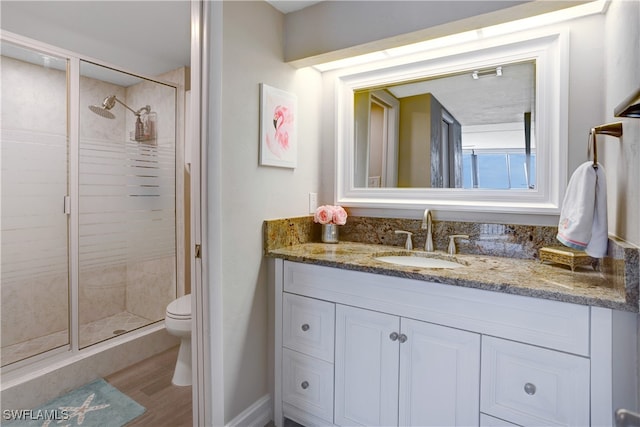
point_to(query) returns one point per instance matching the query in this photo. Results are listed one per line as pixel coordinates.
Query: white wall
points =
(622, 157)
(252, 54)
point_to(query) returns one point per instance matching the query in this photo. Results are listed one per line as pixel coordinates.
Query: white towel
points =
(583, 220)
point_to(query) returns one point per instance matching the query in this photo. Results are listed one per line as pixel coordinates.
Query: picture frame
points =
(278, 127)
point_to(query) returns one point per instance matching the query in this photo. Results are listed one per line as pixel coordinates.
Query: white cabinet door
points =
(439, 375)
(366, 368)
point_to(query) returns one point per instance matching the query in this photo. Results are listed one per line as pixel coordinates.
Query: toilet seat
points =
(180, 308)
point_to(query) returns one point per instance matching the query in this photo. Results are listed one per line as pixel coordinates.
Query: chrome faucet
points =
(427, 224)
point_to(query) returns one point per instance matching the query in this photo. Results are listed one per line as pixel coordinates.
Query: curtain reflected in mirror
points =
(468, 130)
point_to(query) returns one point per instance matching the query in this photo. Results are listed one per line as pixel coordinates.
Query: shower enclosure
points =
(88, 202)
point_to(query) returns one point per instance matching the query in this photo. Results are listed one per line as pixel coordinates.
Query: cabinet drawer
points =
(307, 384)
(308, 326)
(529, 385)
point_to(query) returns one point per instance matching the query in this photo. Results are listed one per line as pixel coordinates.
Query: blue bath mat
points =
(97, 404)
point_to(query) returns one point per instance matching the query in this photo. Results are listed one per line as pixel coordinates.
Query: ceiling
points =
(287, 6)
(489, 99)
(146, 37)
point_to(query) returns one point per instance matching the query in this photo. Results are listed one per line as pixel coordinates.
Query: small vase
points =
(329, 233)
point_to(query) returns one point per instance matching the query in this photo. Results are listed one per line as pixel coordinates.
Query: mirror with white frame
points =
(515, 115)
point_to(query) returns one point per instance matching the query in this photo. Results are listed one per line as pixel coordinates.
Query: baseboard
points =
(257, 415)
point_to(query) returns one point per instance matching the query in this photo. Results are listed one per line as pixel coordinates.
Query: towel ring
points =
(612, 129)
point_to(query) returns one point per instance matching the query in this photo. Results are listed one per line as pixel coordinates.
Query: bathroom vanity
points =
(499, 342)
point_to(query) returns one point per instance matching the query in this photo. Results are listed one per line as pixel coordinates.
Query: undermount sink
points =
(415, 260)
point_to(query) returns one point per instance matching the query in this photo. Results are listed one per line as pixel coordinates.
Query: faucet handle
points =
(408, 245)
(451, 250)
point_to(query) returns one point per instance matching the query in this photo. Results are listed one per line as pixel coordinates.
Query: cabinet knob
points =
(530, 389)
(393, 336)
(305, 327)
(304, 385)
(402, 338)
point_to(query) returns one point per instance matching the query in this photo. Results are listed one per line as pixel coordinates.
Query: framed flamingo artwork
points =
(278, 127)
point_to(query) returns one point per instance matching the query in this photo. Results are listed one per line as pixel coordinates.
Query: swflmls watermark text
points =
(35, 414)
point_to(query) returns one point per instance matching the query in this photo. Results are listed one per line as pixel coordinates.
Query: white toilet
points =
(177, 320)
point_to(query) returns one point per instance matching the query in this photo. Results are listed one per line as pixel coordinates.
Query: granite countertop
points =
(507, 275)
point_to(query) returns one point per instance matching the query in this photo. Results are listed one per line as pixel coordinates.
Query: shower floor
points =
(90, 333)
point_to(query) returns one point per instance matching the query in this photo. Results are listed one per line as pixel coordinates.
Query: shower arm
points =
(146, 108)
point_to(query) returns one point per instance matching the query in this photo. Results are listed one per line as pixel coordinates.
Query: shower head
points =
(102, 112)
(110, 101)
(107, 105)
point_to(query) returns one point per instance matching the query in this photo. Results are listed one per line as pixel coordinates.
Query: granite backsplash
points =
(503, 240)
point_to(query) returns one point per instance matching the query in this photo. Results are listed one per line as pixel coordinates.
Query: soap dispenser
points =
(139, 133)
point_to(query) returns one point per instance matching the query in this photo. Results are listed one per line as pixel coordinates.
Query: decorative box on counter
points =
(567, 256)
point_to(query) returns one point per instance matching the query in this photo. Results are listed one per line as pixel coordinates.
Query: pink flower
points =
(328, 214)
(324, 214)
(339, 215)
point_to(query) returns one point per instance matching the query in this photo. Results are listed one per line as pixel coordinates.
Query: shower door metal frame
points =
(75, 214)
(178, 260)
(74, 195)
(23, 370)
(46, 49)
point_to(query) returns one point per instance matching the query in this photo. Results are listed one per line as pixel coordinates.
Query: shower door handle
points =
(67, 205)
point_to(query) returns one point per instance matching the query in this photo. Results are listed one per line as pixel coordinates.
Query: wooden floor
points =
(149, 383)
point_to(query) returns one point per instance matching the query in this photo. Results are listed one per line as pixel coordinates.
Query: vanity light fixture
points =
(630, 107)
(497, 72)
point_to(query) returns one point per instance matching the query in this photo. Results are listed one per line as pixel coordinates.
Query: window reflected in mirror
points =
(471, 129)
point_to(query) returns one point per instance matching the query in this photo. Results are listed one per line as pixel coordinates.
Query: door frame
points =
(391, 136)
(206, 263)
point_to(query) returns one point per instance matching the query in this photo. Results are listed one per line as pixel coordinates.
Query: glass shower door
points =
(34, 270)
(127, 247)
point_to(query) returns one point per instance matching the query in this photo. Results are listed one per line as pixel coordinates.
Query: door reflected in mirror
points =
(470, 129)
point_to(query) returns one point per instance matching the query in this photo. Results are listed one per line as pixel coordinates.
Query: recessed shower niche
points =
(88, 202)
